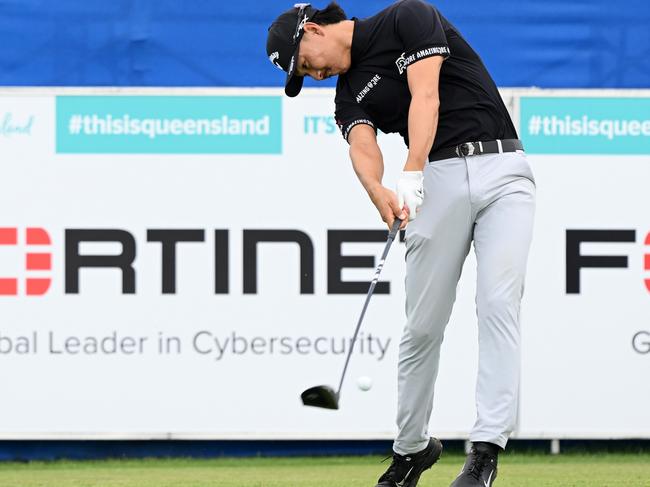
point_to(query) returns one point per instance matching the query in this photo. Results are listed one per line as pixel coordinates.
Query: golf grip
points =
(391, 237)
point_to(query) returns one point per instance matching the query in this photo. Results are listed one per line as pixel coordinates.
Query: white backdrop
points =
(582, 377)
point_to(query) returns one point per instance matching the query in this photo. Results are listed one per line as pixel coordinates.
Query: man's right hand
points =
(386, 203)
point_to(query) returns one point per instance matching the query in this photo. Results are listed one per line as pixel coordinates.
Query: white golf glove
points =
(410, 190)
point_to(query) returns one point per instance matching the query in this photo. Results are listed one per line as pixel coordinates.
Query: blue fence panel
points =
(555, 43)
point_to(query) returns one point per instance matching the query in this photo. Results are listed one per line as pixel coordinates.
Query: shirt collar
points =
(359, 40)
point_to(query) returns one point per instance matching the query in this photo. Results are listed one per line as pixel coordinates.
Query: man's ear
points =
(314, 28)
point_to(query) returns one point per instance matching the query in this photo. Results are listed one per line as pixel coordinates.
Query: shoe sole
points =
(435, 455)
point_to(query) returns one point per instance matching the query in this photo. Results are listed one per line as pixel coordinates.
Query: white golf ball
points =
(364, 383)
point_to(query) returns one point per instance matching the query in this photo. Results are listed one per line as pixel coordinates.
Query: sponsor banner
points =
(585, 125)
(168, 125)
(587, 302)
(192, 295)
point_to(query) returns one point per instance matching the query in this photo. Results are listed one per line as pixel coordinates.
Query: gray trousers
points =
(489, 199)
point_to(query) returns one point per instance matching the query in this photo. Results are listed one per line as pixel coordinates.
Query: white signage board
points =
(188, 275)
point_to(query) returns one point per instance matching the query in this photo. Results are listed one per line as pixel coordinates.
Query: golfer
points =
(465, 179)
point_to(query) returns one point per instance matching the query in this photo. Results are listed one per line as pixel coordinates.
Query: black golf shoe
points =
(480, 468)
(405, 470)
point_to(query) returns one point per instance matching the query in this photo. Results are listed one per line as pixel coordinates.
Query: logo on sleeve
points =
(403, 62)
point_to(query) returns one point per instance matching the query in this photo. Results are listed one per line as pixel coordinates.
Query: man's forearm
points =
(422, 123)
(368, 163)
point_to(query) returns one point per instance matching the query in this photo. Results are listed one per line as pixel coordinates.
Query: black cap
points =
(283, 43)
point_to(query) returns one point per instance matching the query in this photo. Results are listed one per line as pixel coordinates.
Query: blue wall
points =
(549, 43)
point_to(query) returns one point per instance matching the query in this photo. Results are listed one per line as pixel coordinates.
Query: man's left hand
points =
(410, 191)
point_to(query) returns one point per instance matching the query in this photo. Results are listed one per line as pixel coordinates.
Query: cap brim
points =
(293, 84)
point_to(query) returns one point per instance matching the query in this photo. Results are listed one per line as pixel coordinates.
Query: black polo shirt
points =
(375, 90)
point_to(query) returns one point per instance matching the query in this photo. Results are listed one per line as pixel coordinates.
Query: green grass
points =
(515, 470)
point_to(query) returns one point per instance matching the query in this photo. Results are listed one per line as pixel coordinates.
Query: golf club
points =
(325, 396)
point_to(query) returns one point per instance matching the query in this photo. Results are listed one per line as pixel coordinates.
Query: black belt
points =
(476, 148)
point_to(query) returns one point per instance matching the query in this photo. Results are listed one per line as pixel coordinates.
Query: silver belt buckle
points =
(465, 150)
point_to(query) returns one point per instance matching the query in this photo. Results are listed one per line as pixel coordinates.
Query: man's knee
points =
(500, 307)
(422, 331)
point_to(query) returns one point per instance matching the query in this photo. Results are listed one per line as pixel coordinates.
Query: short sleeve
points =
(419, 27)
(349, 114)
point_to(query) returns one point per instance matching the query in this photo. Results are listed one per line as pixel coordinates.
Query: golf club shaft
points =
(391, 237)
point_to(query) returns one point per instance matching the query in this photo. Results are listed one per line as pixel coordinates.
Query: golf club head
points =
(320, 397)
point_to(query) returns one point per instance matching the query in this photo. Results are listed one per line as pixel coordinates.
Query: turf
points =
(606, 470)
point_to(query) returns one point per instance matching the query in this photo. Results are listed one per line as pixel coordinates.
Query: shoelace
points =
(391, 473)
(478, 464)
